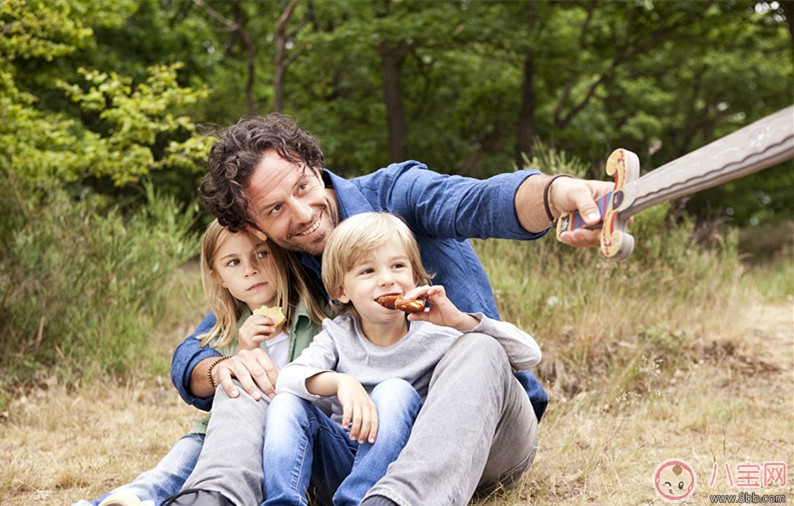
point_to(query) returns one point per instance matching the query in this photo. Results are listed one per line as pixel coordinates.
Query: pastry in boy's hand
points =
(398, 302)
(275, 313)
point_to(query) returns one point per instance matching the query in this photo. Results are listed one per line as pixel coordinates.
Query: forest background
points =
(105, 106)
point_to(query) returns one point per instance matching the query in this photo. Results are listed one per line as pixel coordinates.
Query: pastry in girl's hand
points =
(275, 313)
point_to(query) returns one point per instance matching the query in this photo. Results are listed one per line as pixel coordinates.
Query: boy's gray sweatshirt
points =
(342, 347)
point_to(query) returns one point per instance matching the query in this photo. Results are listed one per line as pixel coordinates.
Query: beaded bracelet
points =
(212, 366)
(551, 217)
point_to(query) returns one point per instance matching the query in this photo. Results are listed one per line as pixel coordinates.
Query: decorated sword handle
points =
(616, 243)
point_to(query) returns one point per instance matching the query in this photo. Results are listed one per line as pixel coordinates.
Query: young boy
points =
(375, 360)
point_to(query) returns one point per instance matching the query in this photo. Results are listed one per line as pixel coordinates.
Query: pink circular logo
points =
(674, 480)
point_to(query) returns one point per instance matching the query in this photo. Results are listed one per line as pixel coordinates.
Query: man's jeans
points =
(231, 460)
(303, 444)
(167, 478)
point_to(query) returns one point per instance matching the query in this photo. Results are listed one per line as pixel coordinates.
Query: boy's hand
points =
(442, 311)
(358, 410)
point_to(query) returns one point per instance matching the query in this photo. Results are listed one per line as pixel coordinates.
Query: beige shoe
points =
(121, 499)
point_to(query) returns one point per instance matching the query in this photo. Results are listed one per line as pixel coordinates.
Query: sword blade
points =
(755, 147)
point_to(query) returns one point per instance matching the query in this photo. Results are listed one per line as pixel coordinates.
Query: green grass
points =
(774, 279)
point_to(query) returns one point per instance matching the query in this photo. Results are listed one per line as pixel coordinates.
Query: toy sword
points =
(752, 148)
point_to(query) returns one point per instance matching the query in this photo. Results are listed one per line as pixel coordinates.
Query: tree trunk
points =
(280, 64)
(526, 115)
(788, 10)
(250, 49)
(391, 60)
(525, 133)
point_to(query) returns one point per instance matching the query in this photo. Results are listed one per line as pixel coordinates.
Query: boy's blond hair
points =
(355, 237)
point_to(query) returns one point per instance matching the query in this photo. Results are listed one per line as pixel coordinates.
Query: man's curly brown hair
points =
(236, 153)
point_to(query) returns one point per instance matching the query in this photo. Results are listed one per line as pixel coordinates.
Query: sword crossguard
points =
(616, 243)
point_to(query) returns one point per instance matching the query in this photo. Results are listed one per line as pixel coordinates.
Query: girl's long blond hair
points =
(290, 288)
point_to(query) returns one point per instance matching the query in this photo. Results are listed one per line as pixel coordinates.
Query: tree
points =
(64, 255)
(283, 37)
(466, 87)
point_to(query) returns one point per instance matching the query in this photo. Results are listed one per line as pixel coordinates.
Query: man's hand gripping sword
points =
(755, 147)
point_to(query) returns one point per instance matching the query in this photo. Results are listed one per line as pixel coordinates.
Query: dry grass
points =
(62, 445)
(734, 405)
(67, 442)
(729, 400)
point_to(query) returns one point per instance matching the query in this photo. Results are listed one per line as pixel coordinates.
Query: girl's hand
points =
(442, 311)
(254, 331)
(358, 410)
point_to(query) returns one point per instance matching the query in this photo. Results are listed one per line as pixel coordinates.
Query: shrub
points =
(84, 281)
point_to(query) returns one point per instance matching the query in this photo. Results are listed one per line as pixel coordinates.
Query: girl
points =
(375, 360)
(239, 274)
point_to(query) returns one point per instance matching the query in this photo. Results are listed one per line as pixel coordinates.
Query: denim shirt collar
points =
(349, 199)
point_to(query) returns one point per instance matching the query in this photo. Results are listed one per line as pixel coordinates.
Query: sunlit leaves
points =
(39, 29)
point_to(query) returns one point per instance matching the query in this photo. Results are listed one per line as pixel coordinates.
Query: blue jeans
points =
(303, 445)
(167, 478)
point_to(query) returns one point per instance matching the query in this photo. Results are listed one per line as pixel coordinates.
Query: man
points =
(266, 175)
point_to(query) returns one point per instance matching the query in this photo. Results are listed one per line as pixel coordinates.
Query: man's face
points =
(290, 204)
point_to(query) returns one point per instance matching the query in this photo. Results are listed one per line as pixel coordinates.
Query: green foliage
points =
(84, 281)
(133, 119)
(39, 30)
(27, 136)
(84, 278)
(123, 130)
(658, 78)
(550, 160)
(774, 277)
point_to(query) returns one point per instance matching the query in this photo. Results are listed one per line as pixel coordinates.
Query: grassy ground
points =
(728, 401)
(733, 406)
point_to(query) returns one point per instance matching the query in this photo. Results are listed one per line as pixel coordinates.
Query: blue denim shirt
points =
(443, 211)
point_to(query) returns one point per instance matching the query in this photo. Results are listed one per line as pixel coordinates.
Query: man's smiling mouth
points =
(311, 229)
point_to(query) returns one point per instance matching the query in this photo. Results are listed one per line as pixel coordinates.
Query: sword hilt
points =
(616, 243)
